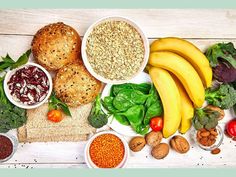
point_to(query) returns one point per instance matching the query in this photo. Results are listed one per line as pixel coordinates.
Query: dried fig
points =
(137, 143)
(179, 144)
(153, 138)
(160, 151)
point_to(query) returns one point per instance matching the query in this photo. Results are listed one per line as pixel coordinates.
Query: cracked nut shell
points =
(137, 143)
(160, 151)
(179, 144)
(153, 138)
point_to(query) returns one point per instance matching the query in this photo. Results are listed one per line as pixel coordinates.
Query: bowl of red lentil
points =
(115, 50)
(106, 149)
(8, 146)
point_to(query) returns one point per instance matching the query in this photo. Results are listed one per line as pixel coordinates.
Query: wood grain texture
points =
(155, 23)
(202, 27)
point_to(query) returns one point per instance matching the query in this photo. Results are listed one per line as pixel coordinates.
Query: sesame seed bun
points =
(56, 45)
(75, 86)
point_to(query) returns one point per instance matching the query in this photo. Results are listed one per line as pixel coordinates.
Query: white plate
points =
(113, 123)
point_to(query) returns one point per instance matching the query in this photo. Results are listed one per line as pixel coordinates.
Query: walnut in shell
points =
(179, 144)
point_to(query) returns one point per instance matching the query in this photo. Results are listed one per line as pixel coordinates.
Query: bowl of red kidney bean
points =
(28, 86)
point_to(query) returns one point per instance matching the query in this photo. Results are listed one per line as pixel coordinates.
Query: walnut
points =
(179, 144)
(137, 143)
(153, 138)
(160, 151)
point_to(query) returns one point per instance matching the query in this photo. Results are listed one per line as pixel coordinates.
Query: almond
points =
(213, 132)
(205, 134)
(215, 151)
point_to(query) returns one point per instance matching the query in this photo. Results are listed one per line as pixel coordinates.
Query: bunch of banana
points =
(179, 71)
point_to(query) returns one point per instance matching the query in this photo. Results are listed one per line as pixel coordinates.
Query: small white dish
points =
(219, 139)
(14, 142)
(112, 122)
(20, 104)
(114, 18)
(88, 160)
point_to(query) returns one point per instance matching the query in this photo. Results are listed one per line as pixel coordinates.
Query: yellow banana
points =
(170, 98)
(190, 52)
(187, 110)
(184, 72)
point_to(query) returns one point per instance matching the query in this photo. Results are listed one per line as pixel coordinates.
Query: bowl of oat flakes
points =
(115, 50)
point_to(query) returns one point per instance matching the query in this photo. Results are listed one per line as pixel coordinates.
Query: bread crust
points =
(75, 86)
(56, 45)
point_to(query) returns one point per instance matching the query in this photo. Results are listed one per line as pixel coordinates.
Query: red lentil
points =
(107, 151)
(6, 147)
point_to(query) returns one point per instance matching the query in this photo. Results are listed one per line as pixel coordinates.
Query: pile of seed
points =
(115, 50)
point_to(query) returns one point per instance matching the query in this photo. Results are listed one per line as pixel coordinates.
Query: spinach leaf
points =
(108, 104)
(138, 97)
(127, 98)
(121, 119)
(123, 101)
(154, 110)
(143, 87)
(141, 129)
(153, 106)
(135, 115)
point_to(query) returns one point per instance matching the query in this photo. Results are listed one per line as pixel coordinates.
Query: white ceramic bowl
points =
(114, 18)
(19, 104)
(14, 142)
(88, 160)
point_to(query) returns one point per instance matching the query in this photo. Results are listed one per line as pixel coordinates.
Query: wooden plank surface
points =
(155, 23)
(202, 27)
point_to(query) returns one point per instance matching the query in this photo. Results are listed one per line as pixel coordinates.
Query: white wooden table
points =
(202, 27)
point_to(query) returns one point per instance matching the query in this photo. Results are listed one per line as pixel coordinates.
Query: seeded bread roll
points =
(74, 85)
(56, 45)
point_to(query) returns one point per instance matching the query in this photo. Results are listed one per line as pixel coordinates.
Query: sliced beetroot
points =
(29, 85)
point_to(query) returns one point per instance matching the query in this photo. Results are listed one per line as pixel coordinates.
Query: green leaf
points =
(8, 59)
(108, 104)
(55, 103)
(221, 51)
(65, 109)
(121, 119)
(22, 60)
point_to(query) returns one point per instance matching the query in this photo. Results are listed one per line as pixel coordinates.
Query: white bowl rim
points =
(133, 24)
(89, 162)
(14, 142)
(21, 105)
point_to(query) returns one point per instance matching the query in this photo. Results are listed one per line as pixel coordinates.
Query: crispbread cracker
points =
(22, 137)
(74, 85)
(39, 129)
(56, 45)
